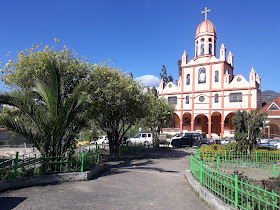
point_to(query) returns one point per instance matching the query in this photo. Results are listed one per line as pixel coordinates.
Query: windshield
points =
(179, 135)
(138, 135)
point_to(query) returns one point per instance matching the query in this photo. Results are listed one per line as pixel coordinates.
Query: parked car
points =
(227, 140)
(182, 134)
(273, 142)
(269, 143)
(193, 139)
(81, 142)
(141, 138)
(102, 140)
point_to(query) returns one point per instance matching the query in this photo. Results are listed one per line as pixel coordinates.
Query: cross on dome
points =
(205, 12)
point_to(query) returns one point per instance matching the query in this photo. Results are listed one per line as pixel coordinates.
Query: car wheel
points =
(176, 145)
(146, 144)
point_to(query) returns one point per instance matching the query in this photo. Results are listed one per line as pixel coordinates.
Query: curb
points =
(206, 195)
(13, 184)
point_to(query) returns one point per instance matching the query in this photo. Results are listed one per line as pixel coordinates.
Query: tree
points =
(51, 118)
(154, 91)
(31, 66)
(117, 101)
(179, 63)
(170, 78)
(248, 128)
(163, 75)
(160, 113)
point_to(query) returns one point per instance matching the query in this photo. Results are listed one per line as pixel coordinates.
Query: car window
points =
(144, 135)
(149, 135)
(138, 135)
(188, 135)
(196, 136)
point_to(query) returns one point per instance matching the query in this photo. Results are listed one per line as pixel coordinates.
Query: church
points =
(209, 92)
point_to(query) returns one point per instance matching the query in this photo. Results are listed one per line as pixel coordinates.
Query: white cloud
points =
(149, 80)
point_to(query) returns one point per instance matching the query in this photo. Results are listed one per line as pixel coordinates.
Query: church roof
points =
(272, 108)
(206, 26)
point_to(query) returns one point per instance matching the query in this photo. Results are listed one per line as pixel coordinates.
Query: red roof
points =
(271, 112)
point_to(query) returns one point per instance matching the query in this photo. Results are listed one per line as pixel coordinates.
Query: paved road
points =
(156, 182)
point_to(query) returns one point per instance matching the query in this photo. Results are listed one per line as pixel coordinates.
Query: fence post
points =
(98, 155)
(218, 162)
(225, 156)
(256, 156)
(201, 172)
(191, 162)
(236, 189)
(16, 166)
(275, 170)
(83, 156)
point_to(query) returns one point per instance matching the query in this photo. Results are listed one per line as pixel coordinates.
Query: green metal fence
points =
(234, 189)
(254, 170)
(24, 166)
(238, 157)
(126, 149)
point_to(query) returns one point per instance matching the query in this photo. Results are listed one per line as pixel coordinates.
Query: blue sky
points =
(140, 36)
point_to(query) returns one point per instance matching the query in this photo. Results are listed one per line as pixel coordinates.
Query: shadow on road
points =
(145, 163)
(167, 153)
(10, 202)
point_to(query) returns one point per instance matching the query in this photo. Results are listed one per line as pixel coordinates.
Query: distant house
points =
(273, 119)
(4, 136)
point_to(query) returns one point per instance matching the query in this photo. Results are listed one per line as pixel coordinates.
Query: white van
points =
(141, 138)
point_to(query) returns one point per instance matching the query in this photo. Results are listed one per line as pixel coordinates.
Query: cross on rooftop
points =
(205, 12)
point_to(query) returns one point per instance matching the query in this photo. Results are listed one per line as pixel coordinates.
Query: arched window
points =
(196, 51)
(210, 49)
(202, 49)
(216, 76)
(188, 79)
(187, 99)
(201, 75)
(216, 98)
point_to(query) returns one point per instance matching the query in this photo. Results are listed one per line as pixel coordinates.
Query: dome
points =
(206, 27)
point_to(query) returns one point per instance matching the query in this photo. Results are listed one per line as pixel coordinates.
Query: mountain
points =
(269, 95)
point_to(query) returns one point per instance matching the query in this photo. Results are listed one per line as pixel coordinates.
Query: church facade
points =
(208, 93)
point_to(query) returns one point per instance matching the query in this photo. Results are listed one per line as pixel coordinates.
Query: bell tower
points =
(205, 39)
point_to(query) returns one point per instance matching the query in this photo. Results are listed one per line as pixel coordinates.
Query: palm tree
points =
(49, 115)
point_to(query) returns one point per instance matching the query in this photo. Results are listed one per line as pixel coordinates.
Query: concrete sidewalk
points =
(156, 182)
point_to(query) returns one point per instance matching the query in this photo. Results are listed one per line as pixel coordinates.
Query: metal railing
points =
(238, 157)
(24, 166)
(127, 149)
(235, 188)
